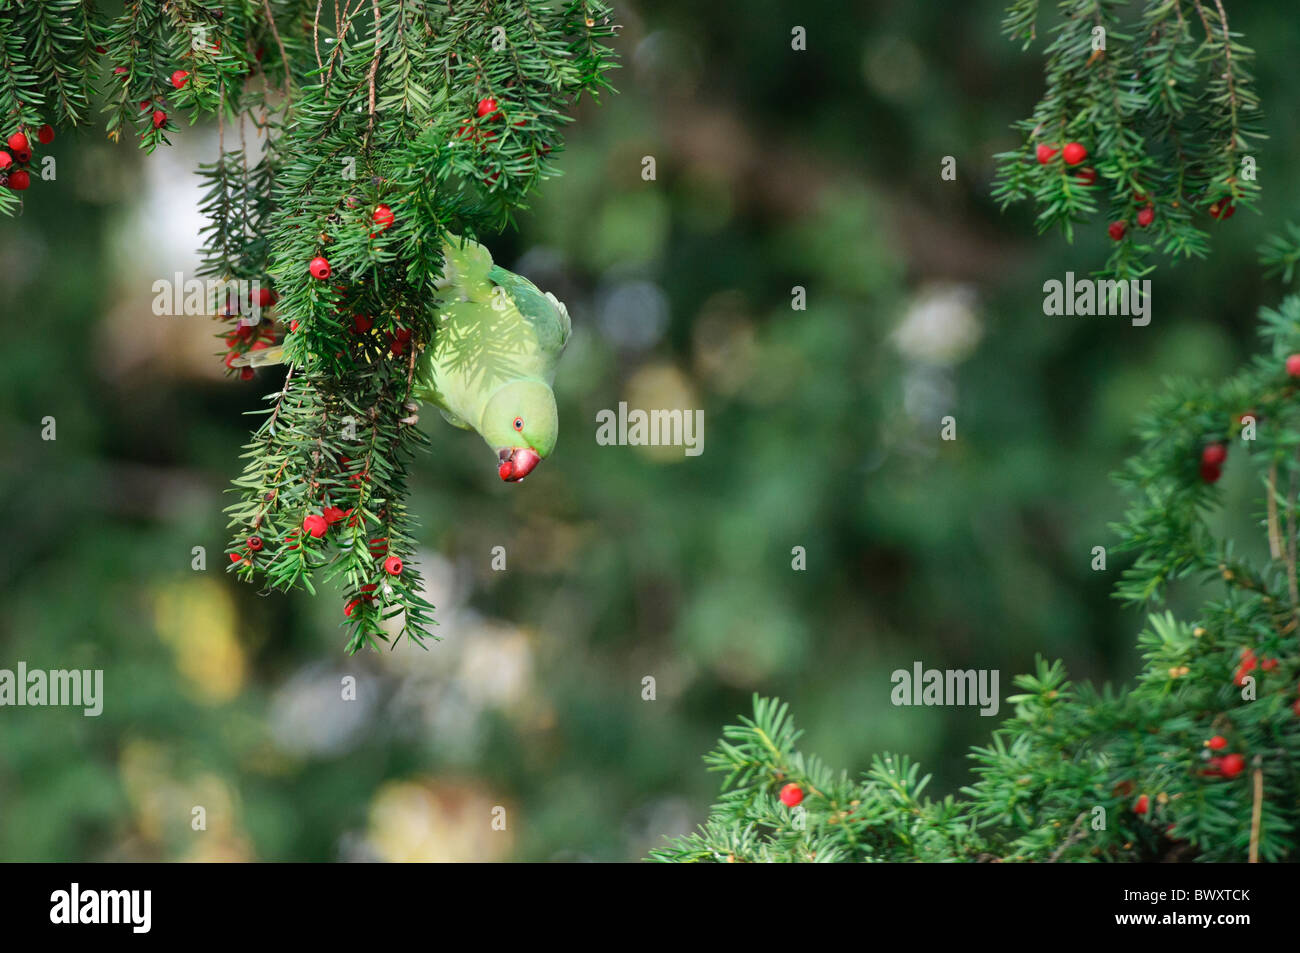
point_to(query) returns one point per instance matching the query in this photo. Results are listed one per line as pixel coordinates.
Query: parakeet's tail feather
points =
(260, 358)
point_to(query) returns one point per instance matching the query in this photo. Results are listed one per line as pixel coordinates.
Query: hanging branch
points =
(1137, 119)
(1175, 767)
(327, 244)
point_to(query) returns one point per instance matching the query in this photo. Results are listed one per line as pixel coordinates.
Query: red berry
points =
(1117, 229)
(18, 143)
(1210, 473)
(1223, 209)
(254, 543)
(333, 514)
(486, 107)
(247, 373)
(383, 217)
(319, 268)
(1217, 743)
(316, 525)
(1087, 176)
(293, 325)
(362, 323)
(393, 566)
(159, 118)
(19, 180)
(1214, 454)
(347, 609)
(791, 795)
(1146, 216)
(265, 297)
(101, 49)
(179, 78)
(1143, 805)
(1268, 665)
(45, 135)
(1045, 153)
(1232, 765)
(1073, 153)
(235, 557)
(1293, 365)
(6, 160)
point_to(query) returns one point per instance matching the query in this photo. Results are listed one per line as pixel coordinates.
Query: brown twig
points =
(275, 32)
(1072, 837)
(1274, 531)
(374, 68)
(1227, 72)
(315, 33)
(1291, 546)
(1255, 812)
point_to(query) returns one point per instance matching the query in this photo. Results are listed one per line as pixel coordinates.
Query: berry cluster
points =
(1249, 662)
(1226, 766)
(1215, 454)
(15, 158)
(1146, 214)
(1223, 766)
(158, 106)
(475, 129)
(1074, 153)
(248, 336)
(1212, 459)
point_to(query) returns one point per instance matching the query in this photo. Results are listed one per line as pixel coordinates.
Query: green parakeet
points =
(493, 357)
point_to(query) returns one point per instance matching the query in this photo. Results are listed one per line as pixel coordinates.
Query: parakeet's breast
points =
(493, 328)
(477, 348)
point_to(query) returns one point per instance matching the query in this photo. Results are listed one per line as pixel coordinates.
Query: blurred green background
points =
(776, 168)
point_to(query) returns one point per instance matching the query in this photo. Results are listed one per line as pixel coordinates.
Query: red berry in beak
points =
(518, 463)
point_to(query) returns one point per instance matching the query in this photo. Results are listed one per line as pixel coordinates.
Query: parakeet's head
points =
(521, 424)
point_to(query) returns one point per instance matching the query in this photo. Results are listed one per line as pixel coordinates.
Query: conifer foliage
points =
(1197, 761)
(356, 136)
(1148, 121)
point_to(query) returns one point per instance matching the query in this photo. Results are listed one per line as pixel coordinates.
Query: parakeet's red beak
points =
(517, 463)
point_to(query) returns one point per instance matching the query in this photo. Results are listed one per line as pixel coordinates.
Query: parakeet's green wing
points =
(548, 317)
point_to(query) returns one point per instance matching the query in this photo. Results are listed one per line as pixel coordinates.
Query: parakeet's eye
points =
(519, 423)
